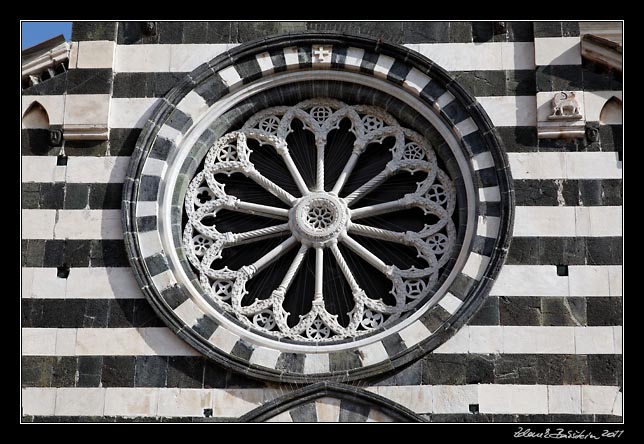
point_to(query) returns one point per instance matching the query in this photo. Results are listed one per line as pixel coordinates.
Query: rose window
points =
(319, 222)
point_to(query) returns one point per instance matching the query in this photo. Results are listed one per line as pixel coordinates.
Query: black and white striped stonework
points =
(545, 345)
(188, 103)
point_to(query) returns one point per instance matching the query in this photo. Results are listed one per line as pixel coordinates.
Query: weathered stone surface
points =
(118, 371)
(444, 369)
(151, 371)
(480, 370)
(520, 311)
(604, 310)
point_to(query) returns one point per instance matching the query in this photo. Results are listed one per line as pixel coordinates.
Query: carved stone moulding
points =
(317, 206)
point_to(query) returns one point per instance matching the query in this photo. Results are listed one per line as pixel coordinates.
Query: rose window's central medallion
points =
(318, 218)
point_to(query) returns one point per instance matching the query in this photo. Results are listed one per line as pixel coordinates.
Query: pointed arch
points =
(611, 113)
(35, 117)
(352, 404)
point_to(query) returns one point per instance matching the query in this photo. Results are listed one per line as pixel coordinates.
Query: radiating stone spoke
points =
(344, 175)
(319, 275)
(259, 234)
(271, 186)
(367, 255)
(292, 270)
(374, 210)
(319, 182)
(344, 267)
(369, 186)
(274, 254)
(295, 173)
(409, 201)
(379, 233)
(258, 209)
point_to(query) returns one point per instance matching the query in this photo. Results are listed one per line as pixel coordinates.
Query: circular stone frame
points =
(153, 241)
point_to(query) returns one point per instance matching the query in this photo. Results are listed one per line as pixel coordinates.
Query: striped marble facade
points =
(545, 346)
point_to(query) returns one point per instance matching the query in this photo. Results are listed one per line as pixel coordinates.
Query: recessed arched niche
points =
(611, 113)
(35, 117)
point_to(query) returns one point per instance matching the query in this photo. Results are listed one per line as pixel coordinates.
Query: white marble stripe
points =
(315, 363)
(40, 169)
(131, 112)
(466, 127)
(444, 100)
(510, 110)
(568, 221)
(490, 194)
(149, 341)
(450, 303)
(230, 76)
(482, 160)
(416, 332)
(534, 340)
(503, 110)
(489, 56)
(265, 356)
(223, 339)
(182, 402)
(416, 81)
(81, 283)
(95, 54)
(154, 167)
(107, 169)
(557, 51)
(383, 65)
(265, 62)
(471, 339)
(372, 353)
(416, 398)
(166, 57)
(71, 224)
(193, 105)
(488, 226)
(171, 134)
(353, 59)
(146, 209)
(149, 243)
(176, 402)
(291, 56)
(164, 280)
(475, 265)
(542, 280)
(451, 56)
(189, 312)
(577, 165)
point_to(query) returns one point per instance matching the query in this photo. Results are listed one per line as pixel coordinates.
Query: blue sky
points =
(36, 32)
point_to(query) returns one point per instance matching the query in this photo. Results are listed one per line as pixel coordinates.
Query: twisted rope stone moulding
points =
(290, 97)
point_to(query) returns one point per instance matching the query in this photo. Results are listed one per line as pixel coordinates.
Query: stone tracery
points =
(319, 220)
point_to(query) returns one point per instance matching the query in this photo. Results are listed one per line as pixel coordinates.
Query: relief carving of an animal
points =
(564, 104)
